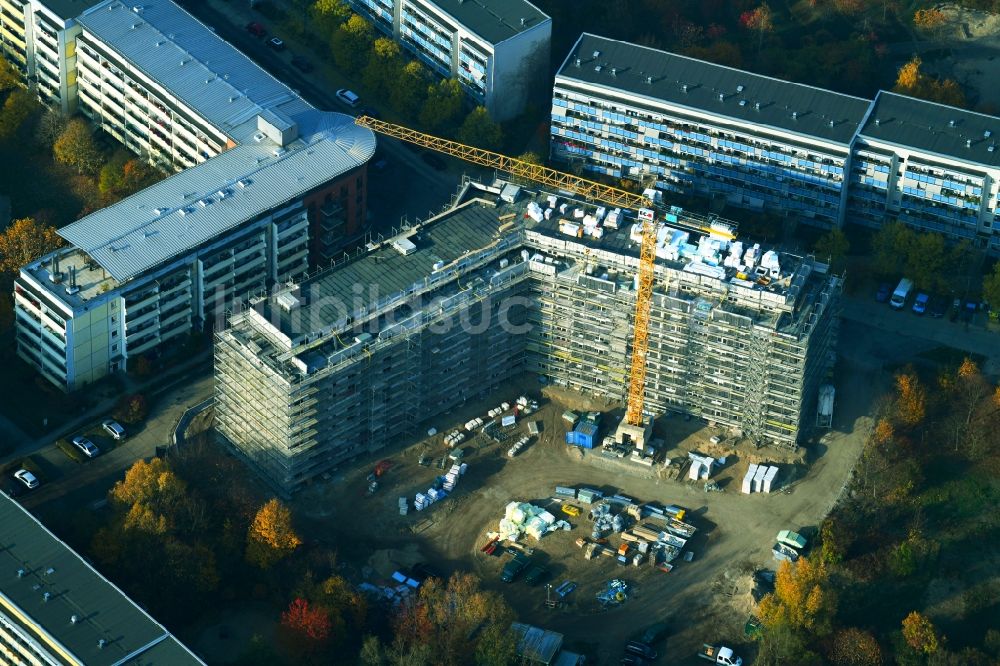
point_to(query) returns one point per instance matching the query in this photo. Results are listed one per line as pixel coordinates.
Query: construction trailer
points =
(489, 289)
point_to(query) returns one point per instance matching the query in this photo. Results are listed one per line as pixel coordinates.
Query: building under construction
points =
(508, 281)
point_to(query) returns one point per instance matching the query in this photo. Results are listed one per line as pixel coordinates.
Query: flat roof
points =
(643, 71)
(33, 562)
(69, 9)
(198, 204)
(493, 20)
(195, 65)
(934, 128)
(385, 271)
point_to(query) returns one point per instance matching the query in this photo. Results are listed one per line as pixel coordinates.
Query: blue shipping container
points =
(584, 435)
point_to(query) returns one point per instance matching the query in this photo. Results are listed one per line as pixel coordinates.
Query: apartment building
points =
(497, 49)
(509, 281)
(683, 125)
(38, 38)
(934, 167)
(56, 609)
(266, 186)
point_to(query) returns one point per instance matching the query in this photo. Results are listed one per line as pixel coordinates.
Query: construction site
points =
(509, 281)
(533, 360)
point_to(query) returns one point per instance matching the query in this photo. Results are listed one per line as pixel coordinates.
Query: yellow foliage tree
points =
(928, 19)
(913, 82)
(802, 598)
(151, 491)
(271, 536)
(909, 77)
(141, 517)
(920, 633)
(854, 647)
(911, 399)
(884, 432)
(25, 240)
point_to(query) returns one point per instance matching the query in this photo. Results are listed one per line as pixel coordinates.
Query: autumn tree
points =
(17, 109)
(911, 81)
(10, 78)
(51, 124)
(150, 494)
(131, 409)
(911, 399)
(890, 247)
(929, 19)
(384, 66)
(480, 130)
(920, 634)
(307, 621)
(77, 147)
(759, 20)
(455, 619)
(855, 647)
(328, 15)
(991, 287)
(443, 106)
(803, 598)
(532, 157)
(833, 246)
(834, 539)
(26, 240)
(408, 93)
(351, 43)
(271, 536)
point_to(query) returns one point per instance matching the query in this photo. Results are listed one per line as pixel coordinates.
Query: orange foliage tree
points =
(802, 598)
(854, 647)
(25, 240)
(913, 82)
(271, 536)
(928, 19)
(152, 492)
(760, 20)
(911, 399)
(920, 633)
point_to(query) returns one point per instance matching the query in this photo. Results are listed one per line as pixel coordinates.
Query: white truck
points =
(718, 654)
(903, 289)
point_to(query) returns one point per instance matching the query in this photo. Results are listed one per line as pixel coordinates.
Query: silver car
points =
(86, 446)
(114, 429)
(27, 478)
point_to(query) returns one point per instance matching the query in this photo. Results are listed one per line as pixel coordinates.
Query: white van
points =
(348, 97)
(899, 296)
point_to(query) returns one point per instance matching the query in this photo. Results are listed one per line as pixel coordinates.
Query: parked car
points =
(937, 307)
(536, 574)
(434, 161)
(29, 480)
(641, 649)
(256, 29)
(969, 310)
(276, 43)
(348, 97)
(518, 564)
(114, 429)
(920, 303)
(86, 446)
(882, 295)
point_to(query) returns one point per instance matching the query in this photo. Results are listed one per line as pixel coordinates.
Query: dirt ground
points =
(707, 599)
(971, 38)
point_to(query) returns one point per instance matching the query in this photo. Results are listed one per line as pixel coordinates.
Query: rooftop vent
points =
(878, 121)
(831, 123)
(951, 123)
(258, 137)
(73, 619)
(46, 595)
(597, 54)
(991, 148)
(743, 102)
(649, 80)
(224, 193)
(739, 89)
(968, 143)
(204, 202)
(684, 87)
(278, 152)
(756, 106)
(597, 68)
(101, 643)
(523, 21)
(987, 134)
(722, 97)
(183, 212)
(20, 573)
(795, 115)
(137, 9)
(614, 71)
(243, 182)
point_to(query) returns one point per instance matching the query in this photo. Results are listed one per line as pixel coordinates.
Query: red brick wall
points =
(351, 190)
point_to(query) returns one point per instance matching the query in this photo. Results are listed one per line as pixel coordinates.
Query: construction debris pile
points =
(760, 479)
(523, 518)
(443, 485)
(614, 593)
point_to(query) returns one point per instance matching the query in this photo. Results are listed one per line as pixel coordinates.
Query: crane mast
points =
(633, 425)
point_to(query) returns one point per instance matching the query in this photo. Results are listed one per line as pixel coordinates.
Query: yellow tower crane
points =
(592, 191)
